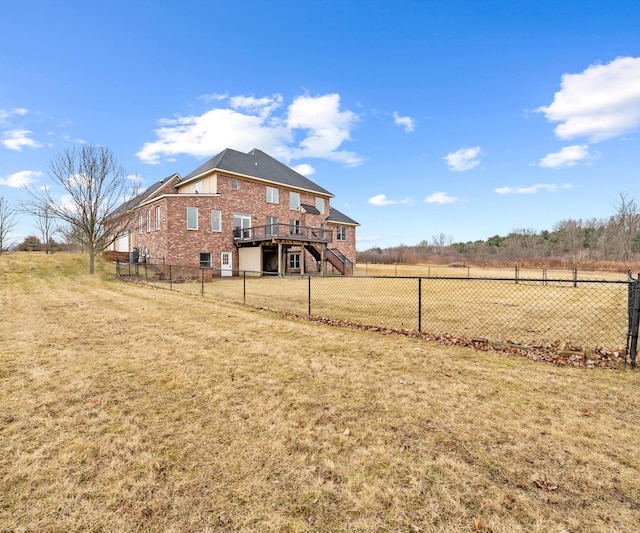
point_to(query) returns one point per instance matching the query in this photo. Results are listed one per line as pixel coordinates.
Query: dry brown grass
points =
(537, 273)
(124, 408)
(591, 315)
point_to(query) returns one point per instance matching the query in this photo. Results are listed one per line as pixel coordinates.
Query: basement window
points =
(205, 260)
(294, 261)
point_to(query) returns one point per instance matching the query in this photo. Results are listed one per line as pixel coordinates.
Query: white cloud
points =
(326, 128)
(136, 179)
(440, 198)
(381, 200)
(8, 113)
(550, 187)
(599, 103)
(304, 169)
(17, 139)
(262, 106)
(407, 123)
(311, 126)
(213, 97)
(567, 157)
(463, 159)
(68, 138)
(21, 179)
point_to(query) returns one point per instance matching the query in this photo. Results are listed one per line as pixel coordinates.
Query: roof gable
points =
(259, 165)
(337, 217)
(148, 193)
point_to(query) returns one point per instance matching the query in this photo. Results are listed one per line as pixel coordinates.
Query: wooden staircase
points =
(333, 257)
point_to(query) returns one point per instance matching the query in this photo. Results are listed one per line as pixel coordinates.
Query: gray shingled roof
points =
(257, 164)
(137, 200)
(337, 216)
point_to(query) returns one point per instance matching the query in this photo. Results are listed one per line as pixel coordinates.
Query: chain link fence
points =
(555, 314)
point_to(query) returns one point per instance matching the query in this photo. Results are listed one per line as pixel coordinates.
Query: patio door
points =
(226, 264)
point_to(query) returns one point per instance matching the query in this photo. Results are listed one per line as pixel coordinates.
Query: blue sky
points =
(468, 118)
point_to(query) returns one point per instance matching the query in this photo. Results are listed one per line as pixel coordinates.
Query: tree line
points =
(612, 241)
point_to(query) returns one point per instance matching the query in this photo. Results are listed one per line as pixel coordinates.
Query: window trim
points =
(196, 214)
(294, 261)
(241, 232)
(157, 217)
(207, 263)
(292, 195)
(294, 227)
(274, 197)
(341, 233)
(219, 220)
(235, 184)
(271, 226)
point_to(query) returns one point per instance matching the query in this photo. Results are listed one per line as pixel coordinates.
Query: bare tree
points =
(627, 222)
(441, 241)
(7, 222)
(45, 221)
(93, 184)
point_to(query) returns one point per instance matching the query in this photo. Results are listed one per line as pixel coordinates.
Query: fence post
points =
(170, 278)
(244, 286)
(575, 276)
(517, 272)
(309, 295)
(202, 283)
(146, 276)
(419, 305)
(634, 317)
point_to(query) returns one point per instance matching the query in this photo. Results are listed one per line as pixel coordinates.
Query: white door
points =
(225, 264)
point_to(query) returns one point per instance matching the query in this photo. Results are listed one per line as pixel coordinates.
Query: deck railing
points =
(282, 231)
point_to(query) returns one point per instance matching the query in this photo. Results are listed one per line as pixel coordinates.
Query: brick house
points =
(241, 212)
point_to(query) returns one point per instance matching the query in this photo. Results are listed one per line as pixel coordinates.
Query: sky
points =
(464, 118)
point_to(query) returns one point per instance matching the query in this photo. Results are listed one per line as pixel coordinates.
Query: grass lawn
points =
(128, 408)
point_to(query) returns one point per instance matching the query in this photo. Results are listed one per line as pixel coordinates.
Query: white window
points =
(341, 233)
(294, 261)
(294, 227)
(205, 260)
(192, 218)
(320, 205)
(272, 195)
(216, 220)
(198, 187)
(272, 226)
(148, 220)
(234, 184)
(294, 200)
(140, 223)
(241, 226)
(158, 217)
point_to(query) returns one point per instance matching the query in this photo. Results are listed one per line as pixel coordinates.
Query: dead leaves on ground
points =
(558, 353)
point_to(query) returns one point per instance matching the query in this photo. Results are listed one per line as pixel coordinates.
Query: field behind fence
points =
(584, 314)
